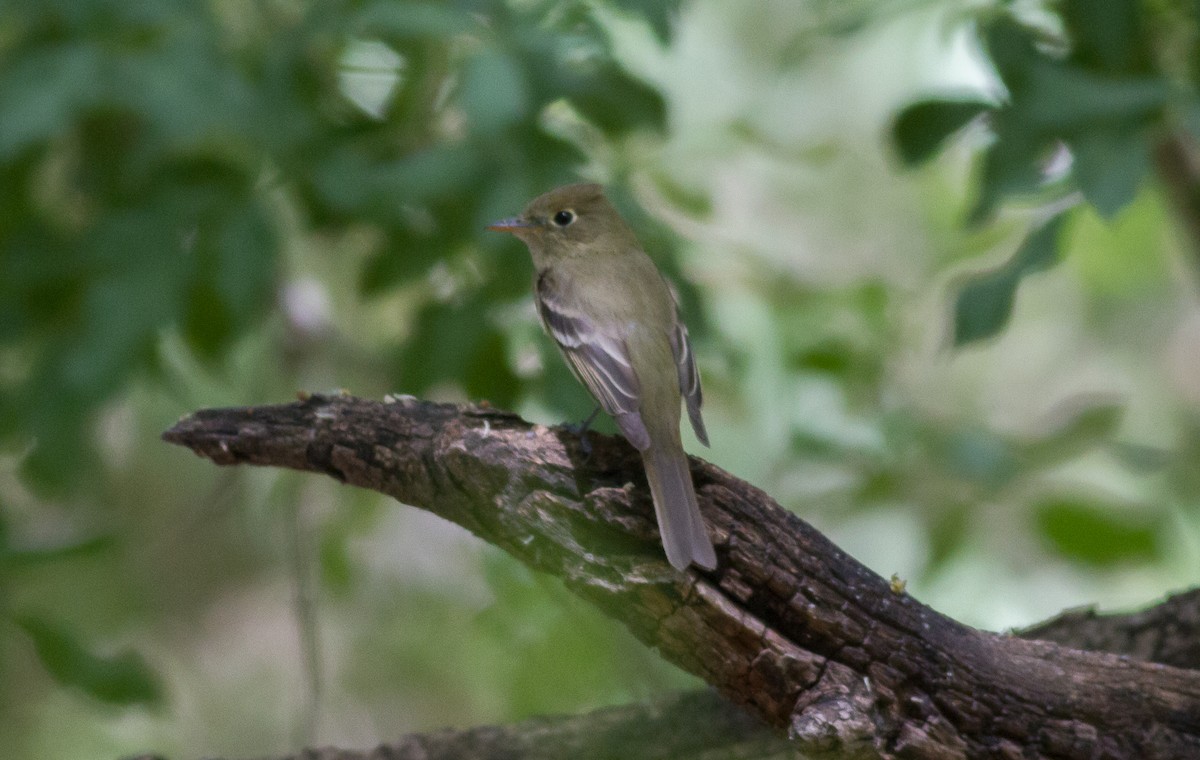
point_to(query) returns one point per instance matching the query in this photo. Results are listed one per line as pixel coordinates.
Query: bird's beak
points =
(511, 224)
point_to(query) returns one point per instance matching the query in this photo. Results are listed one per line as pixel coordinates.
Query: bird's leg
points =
(581, 429)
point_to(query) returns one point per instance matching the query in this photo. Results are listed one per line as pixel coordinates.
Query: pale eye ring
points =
(564, 217)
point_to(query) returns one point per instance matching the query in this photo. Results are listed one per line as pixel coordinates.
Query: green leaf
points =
(919, 131)
(1012, 47)
(50, 411)
(42, 284)
(1081, 102)
(985, 303)
(1107, 35)
(245, 253)
(1097, 535)
(391, 19)
(404, 257)
(49, 555)
(207, 324)
(1060, 99)
(1057, 95)
(1012, 165)
(616, 102)
(41, 91)
(1092, 423)
(948, 534)
(433, 174)
(580, 68)
(122, 317)
(122, 679)
(690, 200)
(351, 179)
(135, 293)
(978, 455)
(454, 343)
(659, 14)
(235, 251)
(494, 95)
(1109, 166)
(184, 93)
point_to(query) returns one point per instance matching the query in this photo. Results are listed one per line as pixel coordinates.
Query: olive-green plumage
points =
(610, 312)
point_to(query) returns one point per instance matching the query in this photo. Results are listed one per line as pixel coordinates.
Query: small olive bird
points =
(613, 317)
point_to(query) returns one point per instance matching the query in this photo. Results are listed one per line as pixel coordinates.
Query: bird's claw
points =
(581, 429)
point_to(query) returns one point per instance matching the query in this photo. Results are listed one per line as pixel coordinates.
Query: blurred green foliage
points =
(986, 301)
(122, 679)
(143, 145)
(1094, 86)
(219, 203)
(154, 155)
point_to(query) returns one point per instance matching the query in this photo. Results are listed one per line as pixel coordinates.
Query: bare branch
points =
(1167, 633)
(697, 725)
(788, 625)
(1177, 161)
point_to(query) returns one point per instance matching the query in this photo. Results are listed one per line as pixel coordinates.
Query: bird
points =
(615, 320)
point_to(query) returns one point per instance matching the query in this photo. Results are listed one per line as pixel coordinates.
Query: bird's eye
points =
(564, 217)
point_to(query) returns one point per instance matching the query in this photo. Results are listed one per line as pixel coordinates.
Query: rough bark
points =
(1167, 633)
(788, 625)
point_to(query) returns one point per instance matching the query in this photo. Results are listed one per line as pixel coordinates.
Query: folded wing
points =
(689, 379)
(600, 361)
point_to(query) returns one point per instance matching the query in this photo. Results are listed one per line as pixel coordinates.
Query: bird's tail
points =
(679, 521)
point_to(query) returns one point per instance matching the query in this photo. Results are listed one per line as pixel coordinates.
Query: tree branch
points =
(696, 725)
(1177, 161)
(1167, 633)
(788, 625)
(702, 724)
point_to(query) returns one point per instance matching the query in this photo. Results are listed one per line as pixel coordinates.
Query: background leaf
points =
(920, 129)
(985, 303)
(1109, 167)
(1090, 534)
(122, 679)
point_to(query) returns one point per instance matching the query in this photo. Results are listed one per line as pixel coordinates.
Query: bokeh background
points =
(935, 256)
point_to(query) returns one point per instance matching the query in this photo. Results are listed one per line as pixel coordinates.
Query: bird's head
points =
(568, 221)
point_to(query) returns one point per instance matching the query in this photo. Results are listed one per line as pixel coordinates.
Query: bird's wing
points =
(599, 359)
(689, 379)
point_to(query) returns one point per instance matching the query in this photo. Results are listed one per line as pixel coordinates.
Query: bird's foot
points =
(581, 429)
